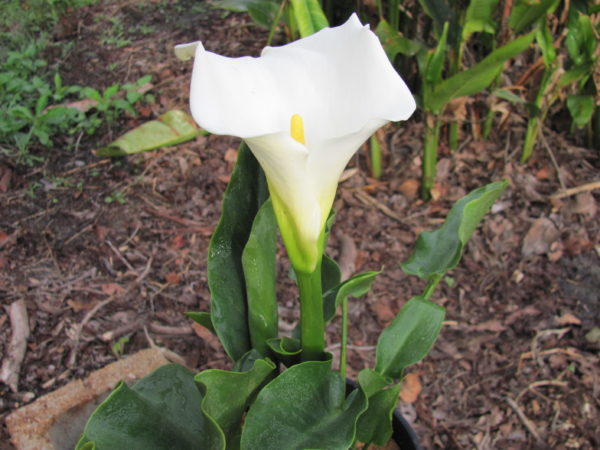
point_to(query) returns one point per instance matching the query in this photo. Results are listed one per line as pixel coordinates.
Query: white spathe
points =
(339, 80)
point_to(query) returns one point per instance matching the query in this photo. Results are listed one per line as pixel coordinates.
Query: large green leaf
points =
(309, 16)
(203, 318)
(304, 408)
(355, 286)
(244, 195)
(161, 411)
(409, 337)
(476, 78)
(438, 251)
(258, 260)
(227, 395)
(393, 43)
(375, 425)
(173, 127)
(527, 12)
(479, 18)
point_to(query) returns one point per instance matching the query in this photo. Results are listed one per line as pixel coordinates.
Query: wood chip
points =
(11, 364)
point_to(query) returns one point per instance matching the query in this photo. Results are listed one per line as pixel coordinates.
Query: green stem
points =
(312, 325)
(276, 22)
(432, 131)
(344, 346)
(429, 290)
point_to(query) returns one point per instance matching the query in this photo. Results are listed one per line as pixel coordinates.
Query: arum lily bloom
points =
(303, 109)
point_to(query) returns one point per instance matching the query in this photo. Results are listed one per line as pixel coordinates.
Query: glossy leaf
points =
(375, 425)
(409, 337)
(172, 128)
(330, 273)
(309, 16)
(393, 43)
(355, 286)
(288, 350)
(244, 195)
(304, 408)
(581, 108)
(160, 411)
(525, 13)
(258, 261)
(479, 18)
(476, 78)
(438, 251)
(227, 395)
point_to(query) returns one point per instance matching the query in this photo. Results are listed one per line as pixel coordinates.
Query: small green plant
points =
(115, 35)
(116, 196)
(118, 347)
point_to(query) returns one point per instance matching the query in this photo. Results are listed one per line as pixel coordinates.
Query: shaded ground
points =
(512, 367)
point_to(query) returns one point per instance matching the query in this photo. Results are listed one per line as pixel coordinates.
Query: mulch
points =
(108, 255)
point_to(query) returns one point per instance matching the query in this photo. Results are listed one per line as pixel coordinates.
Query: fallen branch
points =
(19, 323)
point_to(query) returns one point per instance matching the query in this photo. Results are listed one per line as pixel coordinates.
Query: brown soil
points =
(512, 367)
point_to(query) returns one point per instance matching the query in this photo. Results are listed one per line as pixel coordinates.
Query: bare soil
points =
(512, 367)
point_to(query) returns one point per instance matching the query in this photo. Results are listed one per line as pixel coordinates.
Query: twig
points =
(158, 328)
(88, 166)
(551, 153)
(79, 328)
(19, 323)
(120, 331)
(528, 424)
(577, 190)
(169, 354)
(367, 199)
(121, 257)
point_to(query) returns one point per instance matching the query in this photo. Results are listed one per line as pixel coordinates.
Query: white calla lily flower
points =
(303, 109)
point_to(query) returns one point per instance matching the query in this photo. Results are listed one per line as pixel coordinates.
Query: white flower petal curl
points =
(338, 80)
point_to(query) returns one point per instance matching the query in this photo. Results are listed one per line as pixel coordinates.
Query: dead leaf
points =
(15, 351)
(411, 388)
(520, 313)
(540, 237)
(178, 241)
(173, 278)
(231, 155)
(490, 325)
(101, 232)
(383, 311)
(409, 188)
(8, 239)
(111, 288)
(5, 177)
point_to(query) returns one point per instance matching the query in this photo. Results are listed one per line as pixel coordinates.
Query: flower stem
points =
(344, 344)
(312, 325)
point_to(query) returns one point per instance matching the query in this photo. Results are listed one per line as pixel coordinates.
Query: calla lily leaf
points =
(258, 261)
(172, 128)
(438, 251)
(298, 109)
(160, 411)
(304, 407)
(356, 286)
(228, 394)
(243, 197)
(409, 337)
